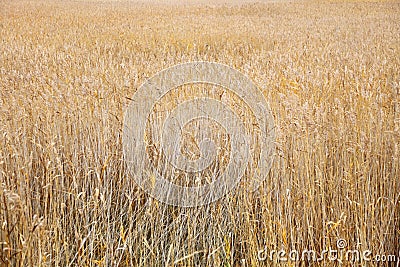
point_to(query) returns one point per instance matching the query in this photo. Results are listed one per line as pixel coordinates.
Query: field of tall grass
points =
(330, 72)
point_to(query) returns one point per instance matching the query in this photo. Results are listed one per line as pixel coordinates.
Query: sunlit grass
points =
(329, 71)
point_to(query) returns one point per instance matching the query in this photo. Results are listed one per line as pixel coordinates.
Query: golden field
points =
(329, 70)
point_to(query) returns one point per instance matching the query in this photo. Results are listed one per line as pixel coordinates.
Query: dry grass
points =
(330, 72)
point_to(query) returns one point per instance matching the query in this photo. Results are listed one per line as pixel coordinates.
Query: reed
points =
(329, 70)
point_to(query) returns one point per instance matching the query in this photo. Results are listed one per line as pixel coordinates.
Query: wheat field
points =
(330, 71)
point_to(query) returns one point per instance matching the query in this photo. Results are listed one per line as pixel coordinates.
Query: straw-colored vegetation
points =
(330, 71)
